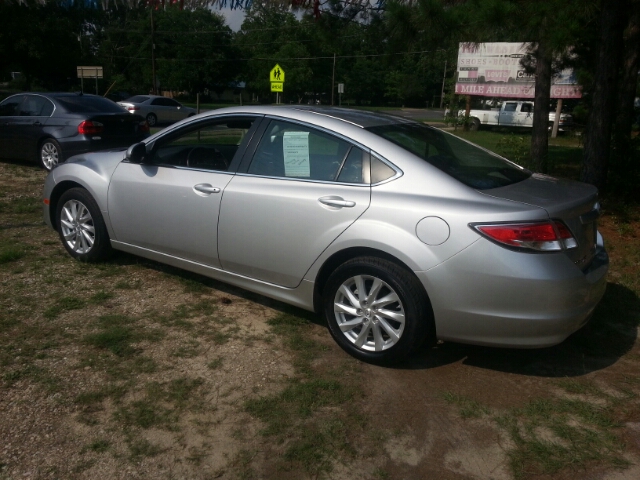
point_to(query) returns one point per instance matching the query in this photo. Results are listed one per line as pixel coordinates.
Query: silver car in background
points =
(398, 233)
(156, 109)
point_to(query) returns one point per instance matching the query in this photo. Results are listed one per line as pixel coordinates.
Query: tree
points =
(599, 127)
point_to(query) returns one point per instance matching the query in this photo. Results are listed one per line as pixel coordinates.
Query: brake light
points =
(143, 127)
(133, 108)
(88, 127)
(542, 237)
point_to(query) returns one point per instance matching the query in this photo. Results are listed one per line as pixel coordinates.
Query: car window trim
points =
(298, 179)
(182, 129)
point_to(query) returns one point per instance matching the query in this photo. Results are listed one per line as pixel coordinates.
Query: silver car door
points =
(171, 203)
(169, 210)
(298, 195)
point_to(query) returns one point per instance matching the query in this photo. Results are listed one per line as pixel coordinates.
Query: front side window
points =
(467, 163)
(295, 151)
(209, 147)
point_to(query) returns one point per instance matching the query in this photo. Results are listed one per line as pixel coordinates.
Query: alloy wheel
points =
(369, 313)
(77, 226)
(49, 155)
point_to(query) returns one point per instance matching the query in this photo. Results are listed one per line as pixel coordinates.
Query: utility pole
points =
(333, 78)
(444, 76)
(153, 55)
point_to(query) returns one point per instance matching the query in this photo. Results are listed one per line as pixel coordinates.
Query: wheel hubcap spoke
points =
(76, 224)
(369, 313)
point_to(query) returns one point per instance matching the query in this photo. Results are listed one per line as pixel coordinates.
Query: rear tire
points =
(49, 154)
(474, 126)
(81, 226)
(376, 311)
(152, 119)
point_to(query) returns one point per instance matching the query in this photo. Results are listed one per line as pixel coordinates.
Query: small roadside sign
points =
(276, 75)
(89, 72)
(341, 88)
(277, 86)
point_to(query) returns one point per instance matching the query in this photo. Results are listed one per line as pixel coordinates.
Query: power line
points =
(278, 59)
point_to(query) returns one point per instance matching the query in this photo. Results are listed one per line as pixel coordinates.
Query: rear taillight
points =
(133, 108)
(542, 237)
(143, 127)
(90, 128)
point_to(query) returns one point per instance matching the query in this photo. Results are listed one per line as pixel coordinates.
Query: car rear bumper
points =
(503, 298)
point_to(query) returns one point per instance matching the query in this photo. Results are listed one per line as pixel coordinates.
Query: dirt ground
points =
(171, 396)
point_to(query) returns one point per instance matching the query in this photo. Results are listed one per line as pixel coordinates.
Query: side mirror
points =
(136, 153)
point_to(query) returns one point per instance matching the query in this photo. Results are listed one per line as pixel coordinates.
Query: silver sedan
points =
(398, 233)
(157, 109)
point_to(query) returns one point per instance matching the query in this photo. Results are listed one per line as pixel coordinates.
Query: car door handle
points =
(206, 188)
(37, 123)
(336, 202)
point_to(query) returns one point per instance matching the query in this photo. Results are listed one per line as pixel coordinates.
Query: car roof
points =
(362, 118)
(358, 118)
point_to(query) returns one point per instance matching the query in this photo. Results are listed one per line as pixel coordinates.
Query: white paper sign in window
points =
(295, 146)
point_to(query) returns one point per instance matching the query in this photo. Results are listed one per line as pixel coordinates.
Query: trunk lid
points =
(575, 203)
(119, 124)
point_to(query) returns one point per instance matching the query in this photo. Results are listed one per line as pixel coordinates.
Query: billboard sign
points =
(495, 70)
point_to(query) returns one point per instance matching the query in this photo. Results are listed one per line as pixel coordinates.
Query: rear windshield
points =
(471, 165)
(137, 99)
(86, 104)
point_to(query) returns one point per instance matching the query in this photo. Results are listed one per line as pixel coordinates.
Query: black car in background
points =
(51, 127)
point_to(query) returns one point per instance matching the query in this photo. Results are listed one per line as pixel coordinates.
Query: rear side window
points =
(464, 161)
(89, 104)
(294, 151)
(137, 99)
(36, 106)
(165, 102)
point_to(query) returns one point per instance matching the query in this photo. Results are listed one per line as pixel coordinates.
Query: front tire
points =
(376, 311)
(81, 226)
(49, 154)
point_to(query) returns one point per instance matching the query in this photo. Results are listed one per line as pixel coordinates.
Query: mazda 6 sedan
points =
(398, 233)
(50, 127)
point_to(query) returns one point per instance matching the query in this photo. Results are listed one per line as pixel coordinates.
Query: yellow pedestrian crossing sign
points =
(277, 87)
(276, 75)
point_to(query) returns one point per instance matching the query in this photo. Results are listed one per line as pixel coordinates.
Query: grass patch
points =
(216, 363)
(314, 416)
(468, 408)
(553, 435)
(97, 446)
(141, 447)
(100, 297)
(64, 304)
(162, 404)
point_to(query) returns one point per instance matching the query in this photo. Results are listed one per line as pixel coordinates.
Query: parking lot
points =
(132, 369)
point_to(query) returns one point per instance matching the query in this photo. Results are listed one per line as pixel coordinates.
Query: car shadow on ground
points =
(610, 334)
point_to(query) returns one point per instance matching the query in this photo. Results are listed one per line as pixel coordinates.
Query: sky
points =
(234, 18)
